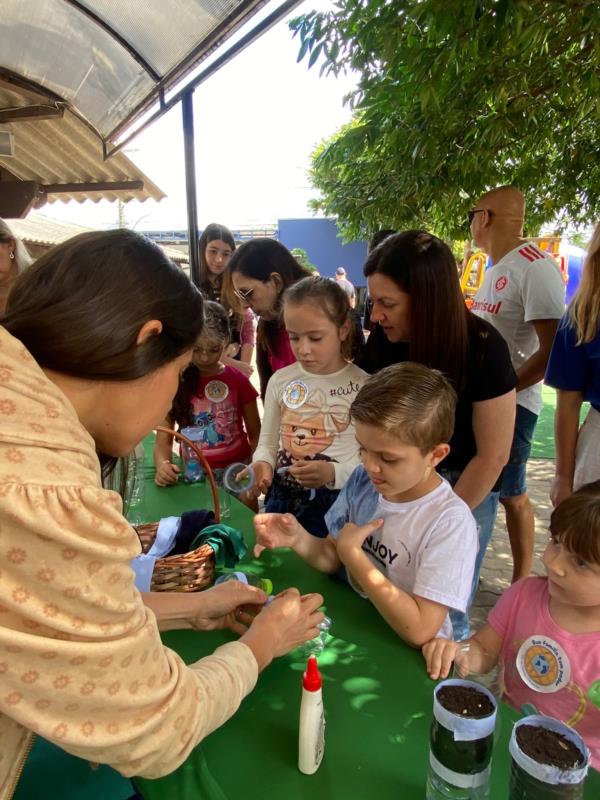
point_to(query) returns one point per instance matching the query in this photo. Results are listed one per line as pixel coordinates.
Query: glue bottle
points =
(311, 739)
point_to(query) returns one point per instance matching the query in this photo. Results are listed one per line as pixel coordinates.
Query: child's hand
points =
(313, 474)
(439, 655)
(263, 477)
(352, 536)
(167, 474)
(275, 530)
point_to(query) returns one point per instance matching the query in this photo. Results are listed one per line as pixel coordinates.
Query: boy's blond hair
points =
(575, 523)
(411, 402)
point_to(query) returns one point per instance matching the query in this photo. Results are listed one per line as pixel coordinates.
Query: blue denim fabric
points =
(514, 477)
(485, 518)
(310, 513)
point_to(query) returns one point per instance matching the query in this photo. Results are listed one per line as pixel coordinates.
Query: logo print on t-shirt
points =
(501, 283)
(295, 394)
(543, 664)
(216, 391)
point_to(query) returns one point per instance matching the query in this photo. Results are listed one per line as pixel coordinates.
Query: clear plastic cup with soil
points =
(549, 760)
(466, 666)
(461, 742)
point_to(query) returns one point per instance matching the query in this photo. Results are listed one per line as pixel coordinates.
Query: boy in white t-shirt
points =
(408, 543)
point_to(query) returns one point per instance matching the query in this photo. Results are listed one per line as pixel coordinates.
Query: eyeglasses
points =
(475, 211)
(244, 294)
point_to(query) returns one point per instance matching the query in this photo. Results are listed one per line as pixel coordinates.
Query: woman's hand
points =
(282, 625)
(232, 605)
(439, 655)
(560, 489)
(275, 530)
(263, 477)
(313, 474)
(167, 474)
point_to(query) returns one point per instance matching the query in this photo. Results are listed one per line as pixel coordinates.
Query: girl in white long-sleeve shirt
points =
(307, 447)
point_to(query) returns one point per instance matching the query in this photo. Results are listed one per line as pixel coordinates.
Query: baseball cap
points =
(340, 271)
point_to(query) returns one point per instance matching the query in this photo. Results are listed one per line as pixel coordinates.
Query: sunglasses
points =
(244, 294)
(475, 211)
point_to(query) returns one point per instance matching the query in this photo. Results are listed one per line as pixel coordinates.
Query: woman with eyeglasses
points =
(260, 271)
(216, 245)
(420, 315)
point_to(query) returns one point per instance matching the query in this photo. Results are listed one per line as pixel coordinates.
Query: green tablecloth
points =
(377, 697)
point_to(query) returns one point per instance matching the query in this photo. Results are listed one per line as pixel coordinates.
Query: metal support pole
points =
(187, 110)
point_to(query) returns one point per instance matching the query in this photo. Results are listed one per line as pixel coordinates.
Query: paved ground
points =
(497, 567)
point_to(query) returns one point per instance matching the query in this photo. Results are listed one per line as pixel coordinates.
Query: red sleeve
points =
(247, 332)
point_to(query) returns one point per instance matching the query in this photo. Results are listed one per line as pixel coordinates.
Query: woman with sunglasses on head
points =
(94, 339)
(260, 271)
(420, 315)
(216, 245)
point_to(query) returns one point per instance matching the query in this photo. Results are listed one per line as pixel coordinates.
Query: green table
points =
(377, 697)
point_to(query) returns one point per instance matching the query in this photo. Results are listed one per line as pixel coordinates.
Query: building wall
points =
(320, 238)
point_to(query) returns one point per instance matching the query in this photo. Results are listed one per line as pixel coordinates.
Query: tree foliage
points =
(455, 97)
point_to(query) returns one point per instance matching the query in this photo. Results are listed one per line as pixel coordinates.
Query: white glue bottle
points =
(311, 740)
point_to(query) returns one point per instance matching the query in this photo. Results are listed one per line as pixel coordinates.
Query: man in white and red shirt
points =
(523, 297)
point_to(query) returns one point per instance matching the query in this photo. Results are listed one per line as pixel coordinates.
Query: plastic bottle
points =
(239, 478)
(316, 645)
(311, 738)
(135, 485)
(248, 578)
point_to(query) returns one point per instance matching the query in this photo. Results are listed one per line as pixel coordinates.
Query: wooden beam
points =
(107, 186)
(24, 113)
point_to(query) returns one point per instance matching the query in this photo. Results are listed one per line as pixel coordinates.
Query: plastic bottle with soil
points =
(461, 742)
(549, 760)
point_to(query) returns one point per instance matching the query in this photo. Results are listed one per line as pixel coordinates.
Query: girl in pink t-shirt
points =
(218, 400)
(546, 630)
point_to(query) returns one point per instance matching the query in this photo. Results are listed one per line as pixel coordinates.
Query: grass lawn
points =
(543, 442)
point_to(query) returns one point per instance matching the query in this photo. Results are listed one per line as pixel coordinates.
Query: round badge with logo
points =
(501, 283)
(543, 664)
(216, 391)
(295, 394)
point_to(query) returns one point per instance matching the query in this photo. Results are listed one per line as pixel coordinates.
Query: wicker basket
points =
(188, 572)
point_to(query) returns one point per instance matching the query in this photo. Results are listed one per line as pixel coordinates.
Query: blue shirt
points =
(572, 367)
(356, 502)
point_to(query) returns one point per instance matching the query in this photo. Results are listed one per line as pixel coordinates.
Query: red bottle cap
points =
(311, 680)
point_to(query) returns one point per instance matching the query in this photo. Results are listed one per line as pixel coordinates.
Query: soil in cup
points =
(549, 747)
(465, 701)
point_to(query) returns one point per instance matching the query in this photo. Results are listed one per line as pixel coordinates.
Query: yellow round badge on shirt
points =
(543, 664)
(217, 391)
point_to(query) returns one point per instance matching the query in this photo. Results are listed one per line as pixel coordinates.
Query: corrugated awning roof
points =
(108, 61)
(41, 230)
(62, 150)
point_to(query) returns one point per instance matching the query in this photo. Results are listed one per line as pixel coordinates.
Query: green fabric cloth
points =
(377, 697)
(227, 543)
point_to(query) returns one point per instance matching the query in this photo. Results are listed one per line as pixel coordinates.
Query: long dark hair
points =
(259, 259)
(80, 307)
(423, 266)
(212, 233)
(216, 328)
